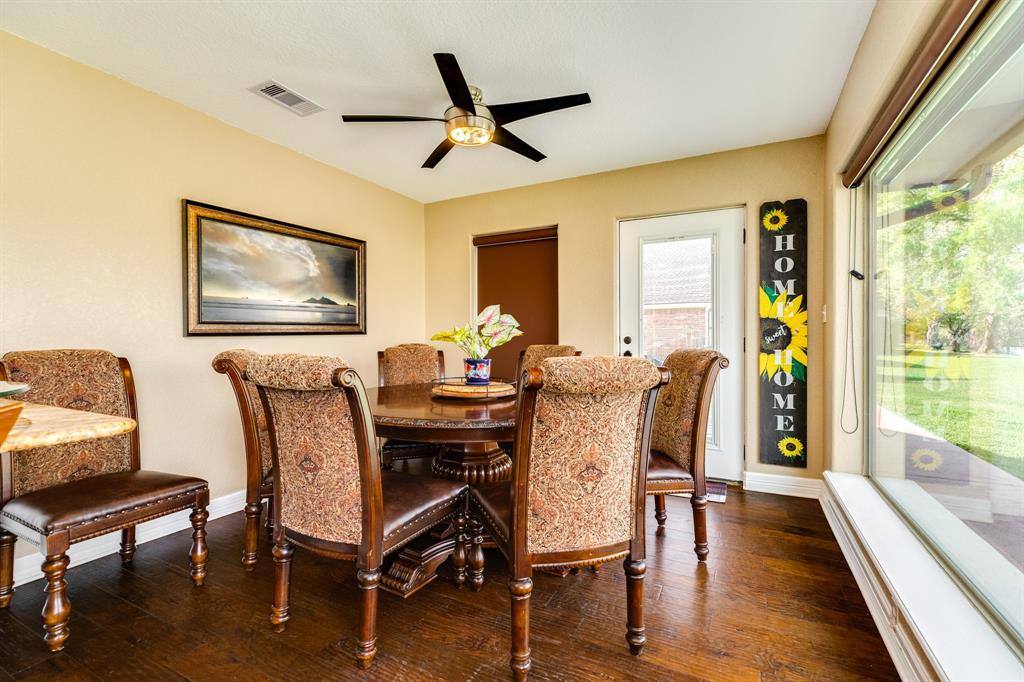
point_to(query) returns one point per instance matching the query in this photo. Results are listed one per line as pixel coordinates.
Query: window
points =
(946, 323)
(677, 295)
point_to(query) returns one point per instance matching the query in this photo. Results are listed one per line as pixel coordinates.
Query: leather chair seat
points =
(91, 506)
(414, 504)
(409, 449)
(494, 501)
(664, 473)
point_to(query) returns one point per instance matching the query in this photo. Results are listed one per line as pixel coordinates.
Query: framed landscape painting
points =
(250, 275)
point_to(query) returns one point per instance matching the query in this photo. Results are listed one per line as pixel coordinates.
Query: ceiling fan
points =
(470, 123)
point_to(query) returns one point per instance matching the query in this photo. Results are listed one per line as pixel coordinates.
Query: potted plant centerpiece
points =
(489, 330)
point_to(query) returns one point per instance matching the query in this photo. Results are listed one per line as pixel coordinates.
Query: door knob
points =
(627, 340)
(627, 354)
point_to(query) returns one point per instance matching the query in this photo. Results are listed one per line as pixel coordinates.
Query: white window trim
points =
(930, 627)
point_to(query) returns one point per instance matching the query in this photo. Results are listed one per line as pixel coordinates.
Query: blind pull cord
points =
(850, 359)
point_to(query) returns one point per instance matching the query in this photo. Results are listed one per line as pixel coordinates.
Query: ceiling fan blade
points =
(384, 119)
(513, 111)
(454, 81)
(509, 141)
(438, 153)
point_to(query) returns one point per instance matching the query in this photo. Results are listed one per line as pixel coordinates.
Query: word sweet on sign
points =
(783, 357)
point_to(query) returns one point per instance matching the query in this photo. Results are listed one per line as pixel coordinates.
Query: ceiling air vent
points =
(286, 98)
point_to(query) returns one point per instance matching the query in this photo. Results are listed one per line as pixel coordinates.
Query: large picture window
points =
(946, 300)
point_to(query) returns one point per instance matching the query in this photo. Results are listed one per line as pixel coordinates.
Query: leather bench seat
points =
(92, 506)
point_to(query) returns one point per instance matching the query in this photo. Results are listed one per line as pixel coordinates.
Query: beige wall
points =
(93, 172)
(895, 30)
(585, 210)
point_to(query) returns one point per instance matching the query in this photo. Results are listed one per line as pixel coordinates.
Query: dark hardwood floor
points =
(776, 601)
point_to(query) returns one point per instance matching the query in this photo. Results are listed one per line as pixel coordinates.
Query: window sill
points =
(930, 627)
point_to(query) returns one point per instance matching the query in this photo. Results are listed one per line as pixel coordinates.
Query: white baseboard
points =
(29, 568)
(782, 485)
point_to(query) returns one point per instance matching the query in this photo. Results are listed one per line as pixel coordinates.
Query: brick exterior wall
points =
(667, 329)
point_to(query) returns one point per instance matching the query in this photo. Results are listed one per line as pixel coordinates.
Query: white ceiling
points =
(667, 79)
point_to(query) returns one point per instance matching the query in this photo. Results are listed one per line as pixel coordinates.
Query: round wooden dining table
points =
(470, 430)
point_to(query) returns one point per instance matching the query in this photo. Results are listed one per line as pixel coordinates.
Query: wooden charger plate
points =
(491, 391)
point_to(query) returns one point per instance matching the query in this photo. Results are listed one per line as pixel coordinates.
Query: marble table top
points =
(43, 425)
(8, 388)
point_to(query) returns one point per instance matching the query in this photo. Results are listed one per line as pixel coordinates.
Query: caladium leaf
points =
(488, 330)
(488, 315)
(508, 320)
(502, 335)
(449, 335)
(478, 349)
(502, 323)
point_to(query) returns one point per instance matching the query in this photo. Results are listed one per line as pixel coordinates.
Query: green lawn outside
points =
(975, 401)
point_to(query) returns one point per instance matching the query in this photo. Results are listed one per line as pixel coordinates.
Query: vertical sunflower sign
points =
(782, 360)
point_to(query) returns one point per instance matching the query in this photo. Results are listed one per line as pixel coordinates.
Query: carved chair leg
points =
(127, 551)
(197, 554)
(270, 515)
(366, 649)
(282, 584)
(519, 659)
(250, 552)
(7, 541)
(659, 510)
(476, 555)
(459, 555)
(635, 630)
(57, 609)
(700, 526)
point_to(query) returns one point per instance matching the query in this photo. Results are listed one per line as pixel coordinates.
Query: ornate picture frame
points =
(246, 274)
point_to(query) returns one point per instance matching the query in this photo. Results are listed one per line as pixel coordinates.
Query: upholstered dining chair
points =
(577, 493)
(259, 471)
(534, 354)
(64, 494)
(679, 437)
(408, 363)
(330, 495)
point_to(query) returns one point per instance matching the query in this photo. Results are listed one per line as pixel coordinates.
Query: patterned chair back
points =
(409, 363)
(535, 354)
(234, 363)
(325, 460)
(91, 380)
(679, 429)
(585, 452)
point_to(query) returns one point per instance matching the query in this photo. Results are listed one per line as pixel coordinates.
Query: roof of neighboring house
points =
(677, 271)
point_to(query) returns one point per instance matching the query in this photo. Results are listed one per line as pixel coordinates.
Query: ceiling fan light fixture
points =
(470, 123)
(467, 129)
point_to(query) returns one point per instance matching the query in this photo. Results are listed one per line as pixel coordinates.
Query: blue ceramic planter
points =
(478, 372)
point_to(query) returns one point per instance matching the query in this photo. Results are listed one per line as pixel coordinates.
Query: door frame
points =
(745, 306)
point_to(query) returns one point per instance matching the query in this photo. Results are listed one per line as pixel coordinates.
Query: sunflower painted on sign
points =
(791, 447)
(926, 459)
(783, 334)
(774, 220)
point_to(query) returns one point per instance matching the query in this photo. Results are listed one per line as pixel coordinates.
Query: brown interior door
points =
(519, 272)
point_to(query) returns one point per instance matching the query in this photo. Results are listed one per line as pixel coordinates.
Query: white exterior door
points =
(680, 286)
